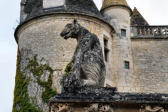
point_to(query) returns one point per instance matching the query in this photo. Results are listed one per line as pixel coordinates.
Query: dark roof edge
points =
(53, 13)
(131, 12)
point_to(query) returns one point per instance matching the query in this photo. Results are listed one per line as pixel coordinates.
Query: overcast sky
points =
(154, 11)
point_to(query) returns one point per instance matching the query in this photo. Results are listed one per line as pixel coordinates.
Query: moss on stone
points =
(38, 70)
(49, 92)
(68, 68)
(33, 66)
(21, 98)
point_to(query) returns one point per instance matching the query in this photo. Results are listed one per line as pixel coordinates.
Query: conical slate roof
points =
(110, 3)
(86, 7)
(82, 6)
(35, 8)
(137, 19)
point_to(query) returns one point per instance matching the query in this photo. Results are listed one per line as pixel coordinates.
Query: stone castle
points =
(135, 53)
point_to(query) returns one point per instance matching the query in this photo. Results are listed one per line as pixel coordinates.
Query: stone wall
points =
(150, 58)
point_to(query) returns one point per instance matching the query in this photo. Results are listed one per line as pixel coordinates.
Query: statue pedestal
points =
(83, 99)
(101, 99)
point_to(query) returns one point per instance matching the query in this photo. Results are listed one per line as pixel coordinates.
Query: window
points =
(105, 42)
(106, 54)
(123, 33)
(127, 65)
(106, 50)
(53, 3)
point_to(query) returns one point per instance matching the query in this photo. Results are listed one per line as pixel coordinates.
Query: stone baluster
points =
(152, 31)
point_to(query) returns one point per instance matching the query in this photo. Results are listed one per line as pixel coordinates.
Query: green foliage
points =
(38, 70)
(49, 92)
(21, 98)
(68, 68)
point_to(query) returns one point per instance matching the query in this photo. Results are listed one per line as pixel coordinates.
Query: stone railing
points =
(150, 32)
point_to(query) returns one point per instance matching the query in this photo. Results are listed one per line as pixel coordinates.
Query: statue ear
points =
(75, 21)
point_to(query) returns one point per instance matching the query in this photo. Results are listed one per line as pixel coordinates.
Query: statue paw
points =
(89, 83)
(71, 81)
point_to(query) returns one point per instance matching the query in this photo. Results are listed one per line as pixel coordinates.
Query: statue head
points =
(71, 30)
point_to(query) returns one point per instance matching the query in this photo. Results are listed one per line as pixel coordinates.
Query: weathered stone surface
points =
(34, 89)
(153, 108)
(35, 94)
(105, 107)
(37, 80)
(89, 90)
(107, 95)
(87, 64)
(101, 99)
(72, 107)
(150, 65)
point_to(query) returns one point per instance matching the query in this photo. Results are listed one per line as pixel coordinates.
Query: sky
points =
(154, 11)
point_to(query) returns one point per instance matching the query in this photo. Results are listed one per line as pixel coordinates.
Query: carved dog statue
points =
(88, 62)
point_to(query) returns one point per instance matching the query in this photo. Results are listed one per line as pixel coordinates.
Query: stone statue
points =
(87, 65)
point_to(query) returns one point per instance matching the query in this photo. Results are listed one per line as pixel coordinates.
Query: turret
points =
(118, 13)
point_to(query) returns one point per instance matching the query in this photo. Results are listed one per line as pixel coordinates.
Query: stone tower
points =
(42, 54)
(118, 14)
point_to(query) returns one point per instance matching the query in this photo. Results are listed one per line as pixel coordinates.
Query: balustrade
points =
(150, 31)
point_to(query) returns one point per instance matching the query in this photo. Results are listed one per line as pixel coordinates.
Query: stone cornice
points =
(107, 95)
